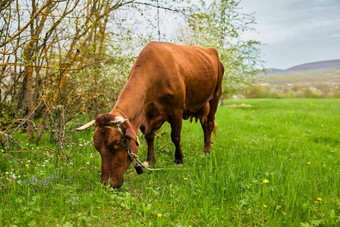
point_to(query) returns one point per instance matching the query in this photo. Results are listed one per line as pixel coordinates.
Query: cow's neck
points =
(131, 102)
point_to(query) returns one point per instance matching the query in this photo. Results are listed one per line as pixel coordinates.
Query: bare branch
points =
(156, 6)
(26, 25)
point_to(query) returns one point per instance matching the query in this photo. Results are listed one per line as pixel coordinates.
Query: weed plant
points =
(275, 163)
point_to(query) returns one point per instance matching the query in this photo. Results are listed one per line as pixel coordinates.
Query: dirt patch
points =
(240, 105)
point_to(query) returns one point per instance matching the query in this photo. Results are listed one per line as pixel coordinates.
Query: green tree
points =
(221, 24)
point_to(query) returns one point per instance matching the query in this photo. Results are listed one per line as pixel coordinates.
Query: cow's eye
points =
(117, 144)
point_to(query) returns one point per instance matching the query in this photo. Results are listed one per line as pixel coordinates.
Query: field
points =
(276, 163)
(312, 83)
(324, 75)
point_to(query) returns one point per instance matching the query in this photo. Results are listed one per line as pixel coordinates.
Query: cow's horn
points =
(118, 120)
(86, 126)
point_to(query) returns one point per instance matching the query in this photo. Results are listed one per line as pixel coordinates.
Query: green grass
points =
(294, 144)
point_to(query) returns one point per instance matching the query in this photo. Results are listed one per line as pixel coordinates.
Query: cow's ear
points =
(130, 132)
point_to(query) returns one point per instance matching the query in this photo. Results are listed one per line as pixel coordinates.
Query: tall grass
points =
(276, 163)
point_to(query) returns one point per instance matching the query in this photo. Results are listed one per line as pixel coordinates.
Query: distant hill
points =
(315, 72)
(316, 65)
(309, 66)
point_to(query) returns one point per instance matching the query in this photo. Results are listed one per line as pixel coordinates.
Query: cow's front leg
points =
(176, 126)
(150, 138)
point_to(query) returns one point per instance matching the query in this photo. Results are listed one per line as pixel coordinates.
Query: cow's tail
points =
(218, 91)
(215, 129)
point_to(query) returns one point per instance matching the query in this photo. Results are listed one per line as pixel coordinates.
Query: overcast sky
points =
(296, 31)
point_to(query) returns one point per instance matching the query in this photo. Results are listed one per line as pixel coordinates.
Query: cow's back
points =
(181, 76)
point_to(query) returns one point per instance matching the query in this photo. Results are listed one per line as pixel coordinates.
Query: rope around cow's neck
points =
(133, 156)
(121, 112)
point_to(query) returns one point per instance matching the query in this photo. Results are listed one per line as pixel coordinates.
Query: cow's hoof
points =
(206, 152)
(150, 162)
(107, 185)
(179, 161)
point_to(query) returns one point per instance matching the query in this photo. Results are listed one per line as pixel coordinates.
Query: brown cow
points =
(167, 82)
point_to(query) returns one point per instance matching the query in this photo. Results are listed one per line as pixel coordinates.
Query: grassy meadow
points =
(276, 163)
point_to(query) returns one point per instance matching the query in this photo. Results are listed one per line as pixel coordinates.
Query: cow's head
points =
(113, 138)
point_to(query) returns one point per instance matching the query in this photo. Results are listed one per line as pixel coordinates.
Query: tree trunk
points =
(21, 97)
(30, 102)
(42, 126)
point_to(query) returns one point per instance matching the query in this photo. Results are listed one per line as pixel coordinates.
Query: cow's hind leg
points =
(208, 123)
(176, 127)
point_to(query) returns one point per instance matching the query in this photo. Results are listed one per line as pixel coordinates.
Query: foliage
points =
(275, 163)
(316, 83)
(313, 90)
(62, 58)
(254, 91)
(221, 25)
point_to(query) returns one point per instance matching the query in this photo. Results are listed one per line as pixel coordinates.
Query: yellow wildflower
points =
(159, 215)
(185, 178)
(318, 199)
(265, 181)
(2, 151)
(308, 163)
(265, 206)
(27, 165)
